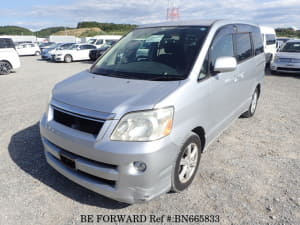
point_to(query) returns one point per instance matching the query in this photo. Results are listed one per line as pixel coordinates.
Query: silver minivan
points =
(134, 125)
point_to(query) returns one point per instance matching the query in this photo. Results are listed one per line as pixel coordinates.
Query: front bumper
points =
(105, 166)
(58, 58)
(285, 67)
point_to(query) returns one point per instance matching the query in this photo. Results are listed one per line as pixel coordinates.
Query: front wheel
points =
(186, 164)
(252, 108)
(5, 68)
(68, 59)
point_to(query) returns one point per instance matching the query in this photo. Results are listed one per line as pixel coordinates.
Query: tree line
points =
(107, 28)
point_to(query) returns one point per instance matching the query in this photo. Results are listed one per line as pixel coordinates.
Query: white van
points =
(103, 40)
(269, 40)
(9, 58)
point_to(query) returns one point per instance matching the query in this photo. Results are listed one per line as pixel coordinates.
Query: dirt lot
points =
(249, 175)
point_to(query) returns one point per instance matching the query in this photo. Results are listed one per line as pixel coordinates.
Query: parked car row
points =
(69, 52)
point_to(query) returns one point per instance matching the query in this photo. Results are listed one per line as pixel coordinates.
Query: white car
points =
(76, 52)
(9, 58)
(28, 49)
(287, 59)
(104, 40)
(48, 53)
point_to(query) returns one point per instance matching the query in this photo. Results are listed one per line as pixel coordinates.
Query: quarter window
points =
(243, 46)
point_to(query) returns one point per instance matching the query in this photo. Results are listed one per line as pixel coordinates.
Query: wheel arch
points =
(201, 134)
(4, 60)
(258, 87)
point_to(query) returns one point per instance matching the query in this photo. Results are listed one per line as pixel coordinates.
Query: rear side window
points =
(257, 42)
(99, 42)
(243, 46)
(87, 47)
(6, 43)
(270, 39)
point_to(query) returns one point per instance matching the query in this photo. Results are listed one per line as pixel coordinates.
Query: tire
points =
(5, 68)
(68, 58)
(253, 105)
(186, 164)
(274, 72)
(37, 53)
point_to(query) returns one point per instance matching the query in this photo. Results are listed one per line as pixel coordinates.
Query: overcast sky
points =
(37, 14)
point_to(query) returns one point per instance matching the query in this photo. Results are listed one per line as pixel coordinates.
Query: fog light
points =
(140, 166)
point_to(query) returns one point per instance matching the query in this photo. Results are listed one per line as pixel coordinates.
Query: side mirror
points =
(225, 64)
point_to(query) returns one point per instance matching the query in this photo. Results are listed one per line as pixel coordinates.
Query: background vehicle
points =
(48, 53)
(96, 53)
(76, 52)
(9, 58)
(134, 125)
(280, 41)
(103, 40)
(28, 49)
(269, 40)
(46, 45)
(287, 59)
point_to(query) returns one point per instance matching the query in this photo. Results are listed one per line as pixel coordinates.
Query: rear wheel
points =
(5, 68)
(186, 164)
(68, 58)
(252, 108)
(274, 72)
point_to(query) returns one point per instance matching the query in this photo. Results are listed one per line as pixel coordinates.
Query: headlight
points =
(276, 58)
(144, 125)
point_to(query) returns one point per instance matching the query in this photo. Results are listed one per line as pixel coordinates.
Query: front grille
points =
(77, 122)
(110, 183)
(289, 69)
(289, 60)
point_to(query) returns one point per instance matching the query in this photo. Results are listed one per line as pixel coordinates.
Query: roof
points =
(219, 22)
(294, 40)
(180, 23)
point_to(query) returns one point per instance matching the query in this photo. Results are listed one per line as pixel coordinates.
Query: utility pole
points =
(172, 11)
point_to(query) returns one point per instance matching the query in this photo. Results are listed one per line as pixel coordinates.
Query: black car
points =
(96, 53)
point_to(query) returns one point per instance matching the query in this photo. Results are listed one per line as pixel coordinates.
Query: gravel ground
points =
(249, 175)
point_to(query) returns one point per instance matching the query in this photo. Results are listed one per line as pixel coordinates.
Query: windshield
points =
(291, 47)
(91, 41)
(162, 53)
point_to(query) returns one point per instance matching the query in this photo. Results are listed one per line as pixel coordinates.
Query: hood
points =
(111, 94)
(294, 55)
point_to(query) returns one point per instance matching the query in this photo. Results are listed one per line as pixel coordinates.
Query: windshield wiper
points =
(167, 78)
(118, 75)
